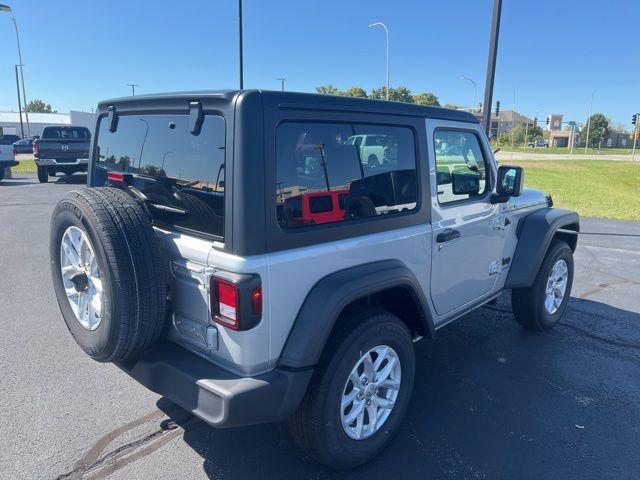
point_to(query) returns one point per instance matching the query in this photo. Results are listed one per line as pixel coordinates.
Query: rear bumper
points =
(8, 163)
(215, 395)
(52, 162)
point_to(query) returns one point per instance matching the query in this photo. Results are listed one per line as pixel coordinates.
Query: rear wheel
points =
(540, 306)
(43, 174)
(1, 173)
(359, 392)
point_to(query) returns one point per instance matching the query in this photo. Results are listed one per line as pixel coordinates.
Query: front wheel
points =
(540, 306)
(359, 392)
(43, 174)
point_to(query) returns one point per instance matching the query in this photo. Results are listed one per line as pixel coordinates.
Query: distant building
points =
(504, 122)
(618, 140)
(554, 122)
(10, 121)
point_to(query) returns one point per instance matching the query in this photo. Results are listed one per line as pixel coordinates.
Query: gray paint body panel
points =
(330, 295)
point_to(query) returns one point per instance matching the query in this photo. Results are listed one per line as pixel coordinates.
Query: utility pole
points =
(282, 80)
(19, 104)
(240, 43)
(491, 64)
(133, 88)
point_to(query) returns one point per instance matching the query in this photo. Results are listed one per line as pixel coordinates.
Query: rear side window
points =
(320, 204)
(369, 169)
(69, 133)
(180, 175)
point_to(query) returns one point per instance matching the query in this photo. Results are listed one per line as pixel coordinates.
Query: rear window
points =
(371, 169)
(180, 174)
(68, 133)
(8, 139)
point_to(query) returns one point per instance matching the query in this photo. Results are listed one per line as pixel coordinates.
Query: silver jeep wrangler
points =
(235, 254)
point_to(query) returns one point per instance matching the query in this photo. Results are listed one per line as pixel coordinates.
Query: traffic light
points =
(535, 121)
(634, 119)
(497, 108)
(548, 120)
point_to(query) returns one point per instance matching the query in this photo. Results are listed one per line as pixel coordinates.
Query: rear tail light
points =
(15, 152)
(36, 150)
(115, 176)
(236, 300)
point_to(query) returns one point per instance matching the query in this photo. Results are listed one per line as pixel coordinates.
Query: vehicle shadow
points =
(15, 181)
(76, 179)
(490, 400)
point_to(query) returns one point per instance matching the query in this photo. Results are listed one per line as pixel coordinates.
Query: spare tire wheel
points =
(108, 273)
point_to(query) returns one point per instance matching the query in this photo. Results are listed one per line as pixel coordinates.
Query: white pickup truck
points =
(7, 158)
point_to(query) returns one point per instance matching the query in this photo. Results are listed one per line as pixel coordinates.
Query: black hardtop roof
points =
(299, 100)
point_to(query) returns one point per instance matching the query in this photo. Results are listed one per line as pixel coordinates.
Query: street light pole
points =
(589, 121)
(473, 105)
(19, 104)
(386, 30)
(281, 83)
(6, 8)
(133, 88)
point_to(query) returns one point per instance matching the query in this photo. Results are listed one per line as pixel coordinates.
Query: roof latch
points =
(196, 117)
(113, 118)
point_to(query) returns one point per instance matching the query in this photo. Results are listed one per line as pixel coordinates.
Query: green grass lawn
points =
(566, 151)
(594, 188)
(26, 166)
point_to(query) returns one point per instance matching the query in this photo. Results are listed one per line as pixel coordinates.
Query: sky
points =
(553, 53)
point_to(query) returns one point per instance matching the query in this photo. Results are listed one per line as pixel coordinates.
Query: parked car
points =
(7, 158)
(24, 146)
(314, 208)
(63, 149)
(198, 286)
(538, 143)
(375, 149)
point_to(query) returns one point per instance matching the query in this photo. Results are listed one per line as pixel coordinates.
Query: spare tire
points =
(108, 273)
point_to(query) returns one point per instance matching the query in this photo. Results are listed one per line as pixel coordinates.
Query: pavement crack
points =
(96, 465)
(608, 341)
(593, 336)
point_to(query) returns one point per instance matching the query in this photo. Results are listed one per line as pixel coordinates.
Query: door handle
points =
(447, 235)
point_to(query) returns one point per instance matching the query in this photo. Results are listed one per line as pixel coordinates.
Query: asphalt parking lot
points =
(490, 400)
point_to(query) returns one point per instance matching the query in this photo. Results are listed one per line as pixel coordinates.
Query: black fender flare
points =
(330, 295)
(535, 232)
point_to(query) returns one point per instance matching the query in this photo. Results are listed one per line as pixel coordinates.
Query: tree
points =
(399, 94)
(328, 90)
(426, 98)
(452, 106)
(598, 130)
(356, 92)
(38, 106)
(519, 130)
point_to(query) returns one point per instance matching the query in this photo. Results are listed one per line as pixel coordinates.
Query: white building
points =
(10, 121)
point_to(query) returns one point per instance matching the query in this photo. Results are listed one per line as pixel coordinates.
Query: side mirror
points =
(510, 181)
(465, 183)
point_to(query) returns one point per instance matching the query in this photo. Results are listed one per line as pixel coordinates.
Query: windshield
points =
(62, 133)
(180, 175)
